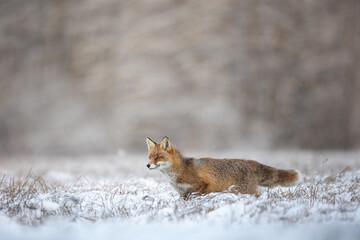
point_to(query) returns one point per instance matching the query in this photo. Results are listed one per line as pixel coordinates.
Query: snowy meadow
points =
(117, 197)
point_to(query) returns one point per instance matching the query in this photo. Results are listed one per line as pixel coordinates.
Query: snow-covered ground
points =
(117, 197)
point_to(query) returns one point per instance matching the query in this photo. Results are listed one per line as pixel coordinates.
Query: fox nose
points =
(148, 165)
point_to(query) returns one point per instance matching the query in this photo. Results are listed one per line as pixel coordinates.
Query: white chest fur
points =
(171, 176)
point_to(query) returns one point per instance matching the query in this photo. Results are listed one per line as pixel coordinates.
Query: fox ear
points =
(150, 143)
(165, 143)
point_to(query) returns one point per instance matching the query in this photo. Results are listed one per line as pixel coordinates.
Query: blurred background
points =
(93, 77)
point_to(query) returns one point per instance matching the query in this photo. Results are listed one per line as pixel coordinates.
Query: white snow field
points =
(117, 197)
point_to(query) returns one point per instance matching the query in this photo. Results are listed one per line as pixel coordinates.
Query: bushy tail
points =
(270, 176)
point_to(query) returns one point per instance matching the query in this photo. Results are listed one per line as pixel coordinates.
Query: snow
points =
(118, 230)
(73, 199)
(50, 206)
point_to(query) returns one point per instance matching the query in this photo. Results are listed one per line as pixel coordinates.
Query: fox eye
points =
(157, 158)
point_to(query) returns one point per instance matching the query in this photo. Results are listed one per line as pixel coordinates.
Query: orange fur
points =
(205, 175)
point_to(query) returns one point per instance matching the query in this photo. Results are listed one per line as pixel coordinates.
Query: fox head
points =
(159, 153)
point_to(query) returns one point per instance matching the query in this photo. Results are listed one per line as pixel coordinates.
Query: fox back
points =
(205, 175)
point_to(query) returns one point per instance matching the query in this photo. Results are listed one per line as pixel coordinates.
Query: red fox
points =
(205, 175)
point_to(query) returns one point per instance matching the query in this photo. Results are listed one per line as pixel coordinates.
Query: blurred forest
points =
(92, 77)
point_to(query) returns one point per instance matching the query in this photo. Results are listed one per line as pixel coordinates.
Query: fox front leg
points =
(185, 195)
